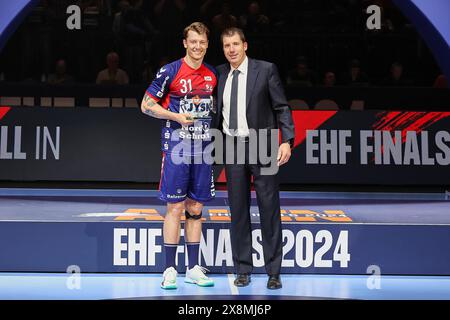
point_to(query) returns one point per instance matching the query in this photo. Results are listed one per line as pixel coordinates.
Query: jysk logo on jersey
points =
(196, 106)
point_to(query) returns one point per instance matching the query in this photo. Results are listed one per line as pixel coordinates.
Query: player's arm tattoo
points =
(151, 108)
(149, 103)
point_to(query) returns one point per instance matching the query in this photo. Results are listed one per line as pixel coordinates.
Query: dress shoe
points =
(242, 280)
(274, 282)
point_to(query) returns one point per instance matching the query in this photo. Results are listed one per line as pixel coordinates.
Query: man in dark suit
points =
(250, 98)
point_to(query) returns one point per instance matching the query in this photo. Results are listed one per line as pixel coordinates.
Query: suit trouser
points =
(268, 199)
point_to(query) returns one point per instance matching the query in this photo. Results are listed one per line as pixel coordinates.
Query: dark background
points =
(306, 39)
(324, 35)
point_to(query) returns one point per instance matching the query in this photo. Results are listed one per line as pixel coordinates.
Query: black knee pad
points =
(194, 217)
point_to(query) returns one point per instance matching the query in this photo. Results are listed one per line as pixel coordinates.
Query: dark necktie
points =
(233, 124)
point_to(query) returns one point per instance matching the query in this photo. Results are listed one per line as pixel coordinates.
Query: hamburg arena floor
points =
(107, 205)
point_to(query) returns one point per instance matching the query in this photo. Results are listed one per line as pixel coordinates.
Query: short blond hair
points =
(198, 27)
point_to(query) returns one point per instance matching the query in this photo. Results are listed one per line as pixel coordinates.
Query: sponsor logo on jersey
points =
(208, 78)
(160, 73)
(175, 196)
(196, 106)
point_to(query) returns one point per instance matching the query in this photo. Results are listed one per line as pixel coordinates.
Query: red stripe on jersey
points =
(163, 103)
(162, 168)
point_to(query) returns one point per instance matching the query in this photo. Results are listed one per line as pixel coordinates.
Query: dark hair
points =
(198, 27)
(229, 32)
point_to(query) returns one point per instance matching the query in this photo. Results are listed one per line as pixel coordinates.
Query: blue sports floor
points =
(107, 205)
(33, 286)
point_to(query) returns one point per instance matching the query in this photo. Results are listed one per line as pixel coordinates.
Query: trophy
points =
(198, 105)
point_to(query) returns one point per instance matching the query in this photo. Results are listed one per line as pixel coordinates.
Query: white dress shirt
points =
(242, 129)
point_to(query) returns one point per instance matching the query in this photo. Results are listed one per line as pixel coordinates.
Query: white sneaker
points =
(197, 276)
(169, 279)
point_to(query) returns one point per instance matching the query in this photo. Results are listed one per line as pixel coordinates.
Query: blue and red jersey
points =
(182, 89)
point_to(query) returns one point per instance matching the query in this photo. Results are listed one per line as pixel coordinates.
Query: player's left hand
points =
(284, 153)
(184, 119)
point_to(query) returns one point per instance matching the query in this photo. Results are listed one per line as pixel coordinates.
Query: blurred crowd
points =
(313, 42)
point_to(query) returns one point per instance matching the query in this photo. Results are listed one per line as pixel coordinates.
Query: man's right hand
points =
(184, 119)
